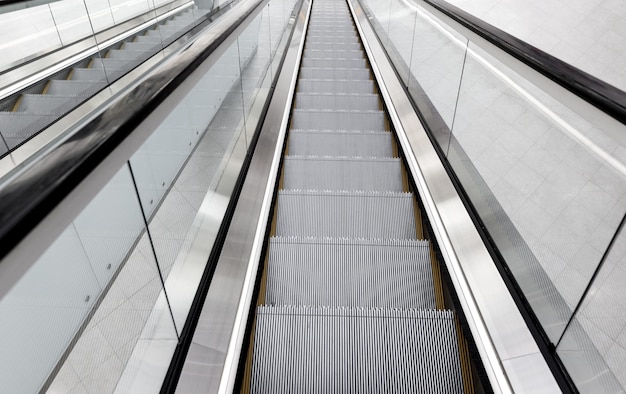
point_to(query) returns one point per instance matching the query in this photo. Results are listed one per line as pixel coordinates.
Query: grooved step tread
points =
(338, 143)
(370, 273)
(303, 349)
(342, 173)
(345, 214)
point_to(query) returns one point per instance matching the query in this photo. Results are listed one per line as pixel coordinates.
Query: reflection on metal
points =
(511, 356)
(214, 353)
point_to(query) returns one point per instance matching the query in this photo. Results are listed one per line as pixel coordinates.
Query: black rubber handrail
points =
(598, 93)
(37, 190)
(35, 3)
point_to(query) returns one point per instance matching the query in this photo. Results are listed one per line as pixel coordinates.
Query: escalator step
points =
(386, 215)
(338, 120)
(89, 74)
(336, 86)
(114, 64)
(302, 349)
(342, 173)
(73, 88)
(342, 102)
(19, 126)
(44, 104)
(350, 272)
(128, 54)
(149, 47)
(340, 143)
(335, 73)
(332, 54)
(151, 36)
(323, 38)
(334, 63)
(333, 46)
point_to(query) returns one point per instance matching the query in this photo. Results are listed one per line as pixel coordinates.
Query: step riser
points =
(340, 144)
(360, 215)
(329, 120)
(339, 102)
(361, 74)
(336, 174)
(350, 273)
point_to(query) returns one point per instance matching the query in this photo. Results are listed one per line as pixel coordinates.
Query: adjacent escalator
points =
(350, 300)
(25, 114)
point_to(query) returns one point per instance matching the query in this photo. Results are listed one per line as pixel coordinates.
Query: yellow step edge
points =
(464, 360)
(46, 87)
(17, 104)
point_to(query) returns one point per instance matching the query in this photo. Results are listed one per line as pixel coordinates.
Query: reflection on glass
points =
(93, 264)
(551, 209)
(593, 348)
(428, 57)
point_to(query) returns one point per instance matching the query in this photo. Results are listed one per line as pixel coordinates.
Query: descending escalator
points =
(28, 112)
(350, 300)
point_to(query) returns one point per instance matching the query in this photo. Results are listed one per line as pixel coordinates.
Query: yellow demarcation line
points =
(17, 104)
(466, 364)
(70, 74)
(46, 87)
(438, 284)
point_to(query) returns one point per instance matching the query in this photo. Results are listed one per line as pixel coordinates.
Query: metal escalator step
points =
(149, 47)
(342, 173)
(44, 104)
(89, 74)
(302, 349)
(341, 102)
(73, 88)
(350, 272)
(128, 54)
(334, 63)
(338, 143)
(335, 86)
(333, 46)
(332, 54)
(385, 215)
(19, 126)
(337, 120)
(335, 73)
(114, 64)
(151, 36)
(327, 38)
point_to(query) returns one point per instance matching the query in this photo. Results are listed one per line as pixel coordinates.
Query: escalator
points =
(24, 114)
(350, 300)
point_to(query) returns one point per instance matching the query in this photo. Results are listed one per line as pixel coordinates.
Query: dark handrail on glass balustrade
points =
(600, 94)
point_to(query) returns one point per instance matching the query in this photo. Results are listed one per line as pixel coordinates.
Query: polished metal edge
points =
(512, 359)
(32, 72)
(225, 313)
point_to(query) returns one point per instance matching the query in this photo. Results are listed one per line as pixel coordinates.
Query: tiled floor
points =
(590, 35)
